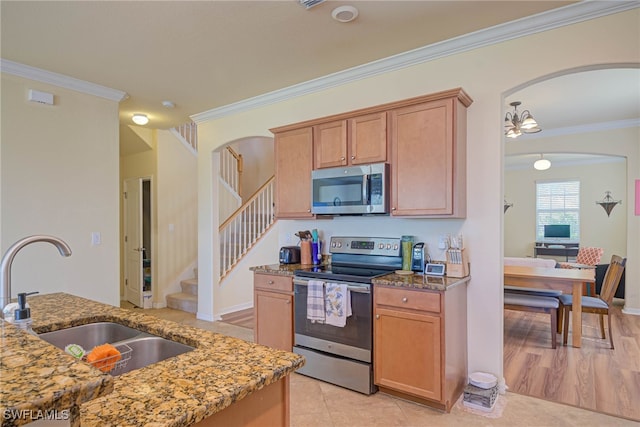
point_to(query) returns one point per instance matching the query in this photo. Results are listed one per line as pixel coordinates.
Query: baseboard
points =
(159, 305)
(208, 318)
(633, 311)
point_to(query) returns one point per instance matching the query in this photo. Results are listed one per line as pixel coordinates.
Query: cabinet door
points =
(330, 144)
(407, 355)
(293, 162)
(422, 159)
(274, 320)
(368, 139)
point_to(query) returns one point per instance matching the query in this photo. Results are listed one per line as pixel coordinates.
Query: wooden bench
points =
(534, 300)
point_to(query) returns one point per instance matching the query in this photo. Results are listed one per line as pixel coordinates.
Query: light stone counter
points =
(180, 391)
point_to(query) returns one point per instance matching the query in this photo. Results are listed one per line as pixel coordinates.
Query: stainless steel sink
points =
(138, 348)
(90, 335)
(148, 350)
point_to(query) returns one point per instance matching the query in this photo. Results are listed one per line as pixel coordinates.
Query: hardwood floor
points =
(592, 377)
(243, 318)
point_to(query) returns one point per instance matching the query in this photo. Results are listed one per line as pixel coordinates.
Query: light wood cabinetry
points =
(428, 159)
(353, 141)
(420, 349)
(423, 139)
(293, 161)
(273, 305)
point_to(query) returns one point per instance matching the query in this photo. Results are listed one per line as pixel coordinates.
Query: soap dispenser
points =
(22, 314)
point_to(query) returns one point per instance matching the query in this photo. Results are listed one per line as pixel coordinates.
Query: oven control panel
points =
(365, 245)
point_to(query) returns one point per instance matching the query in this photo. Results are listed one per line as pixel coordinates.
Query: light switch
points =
(96, 238)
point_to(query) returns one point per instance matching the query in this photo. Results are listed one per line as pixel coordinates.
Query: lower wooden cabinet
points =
(273, 310)
(420, 350)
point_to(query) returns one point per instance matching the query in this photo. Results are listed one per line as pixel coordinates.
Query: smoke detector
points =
(344, 13)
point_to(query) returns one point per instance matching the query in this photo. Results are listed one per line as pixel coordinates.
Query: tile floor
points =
(316, 403)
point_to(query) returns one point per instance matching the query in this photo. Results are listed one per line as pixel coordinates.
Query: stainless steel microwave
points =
(351, 190)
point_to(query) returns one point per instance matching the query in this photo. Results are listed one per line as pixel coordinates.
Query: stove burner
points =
(341, 273)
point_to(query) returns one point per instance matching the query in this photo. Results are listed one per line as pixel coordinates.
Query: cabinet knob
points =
(308, 210)
(353, 157)
(404, 299)
(270, 282)
(288, 302)
(377, 316)
(342, 158)
(393, 208)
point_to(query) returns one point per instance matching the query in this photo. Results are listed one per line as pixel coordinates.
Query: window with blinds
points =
(558, 202)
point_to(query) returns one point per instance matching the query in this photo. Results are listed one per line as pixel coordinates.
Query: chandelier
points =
(608, 203)
(516, 124)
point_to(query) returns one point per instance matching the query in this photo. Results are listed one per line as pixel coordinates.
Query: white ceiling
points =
(205, 54)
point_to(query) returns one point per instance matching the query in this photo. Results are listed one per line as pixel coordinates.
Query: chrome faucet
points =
(7, 260)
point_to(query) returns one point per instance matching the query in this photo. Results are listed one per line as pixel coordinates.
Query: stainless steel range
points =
(336, 354)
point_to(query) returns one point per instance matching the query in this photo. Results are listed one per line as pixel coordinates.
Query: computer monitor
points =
(557, 231)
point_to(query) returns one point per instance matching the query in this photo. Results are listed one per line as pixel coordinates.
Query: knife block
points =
(458, 269)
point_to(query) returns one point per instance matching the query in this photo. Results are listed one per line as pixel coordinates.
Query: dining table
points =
(569, 281)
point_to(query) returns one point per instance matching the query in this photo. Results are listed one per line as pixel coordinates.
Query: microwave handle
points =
(365, 190)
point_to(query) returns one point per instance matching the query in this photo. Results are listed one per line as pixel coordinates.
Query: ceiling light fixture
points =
(140, 119)
(608, 203)
(344, 13)
(515, 125)
(542, 164)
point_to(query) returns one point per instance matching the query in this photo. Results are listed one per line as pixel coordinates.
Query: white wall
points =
(596, 228)
(258, 162)
(60, 177)
(486, 74)
(176, 226)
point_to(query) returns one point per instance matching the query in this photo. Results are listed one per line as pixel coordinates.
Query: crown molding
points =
(586, 128)
(571, 14)
(44, 76)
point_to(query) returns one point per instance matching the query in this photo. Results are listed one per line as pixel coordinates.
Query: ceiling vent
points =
(308, 4)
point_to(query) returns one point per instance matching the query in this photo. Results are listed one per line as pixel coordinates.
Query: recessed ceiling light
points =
(344, 13)
(140, 119)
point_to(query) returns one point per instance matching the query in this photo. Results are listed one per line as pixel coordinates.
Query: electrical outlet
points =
(442, 242)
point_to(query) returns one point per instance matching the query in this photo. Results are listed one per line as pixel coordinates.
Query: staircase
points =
(246, 226)
(187, 300)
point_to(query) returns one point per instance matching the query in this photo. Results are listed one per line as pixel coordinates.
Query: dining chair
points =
(599, 305)
(587, 257)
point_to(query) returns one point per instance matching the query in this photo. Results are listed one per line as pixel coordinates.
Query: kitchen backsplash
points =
(423, 230)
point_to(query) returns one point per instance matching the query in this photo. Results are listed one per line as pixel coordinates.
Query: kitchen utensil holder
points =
(305, 252)
(457, 263)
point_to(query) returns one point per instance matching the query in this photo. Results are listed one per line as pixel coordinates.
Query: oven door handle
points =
(352, 288)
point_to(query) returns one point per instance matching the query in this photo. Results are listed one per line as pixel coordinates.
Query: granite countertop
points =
(179, 391)
(415, 281)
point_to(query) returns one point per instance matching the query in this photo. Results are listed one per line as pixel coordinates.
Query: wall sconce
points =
(507, 205)
(608, 203)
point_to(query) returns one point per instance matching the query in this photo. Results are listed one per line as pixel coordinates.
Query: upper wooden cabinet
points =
(423, 139)
(428, 159)
(354, 141)
(293, 161)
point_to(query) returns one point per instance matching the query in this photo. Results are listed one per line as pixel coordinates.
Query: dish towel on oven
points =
(315, 301)
(337, 304)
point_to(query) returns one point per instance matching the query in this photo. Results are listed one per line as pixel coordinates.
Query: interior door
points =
(133, 245)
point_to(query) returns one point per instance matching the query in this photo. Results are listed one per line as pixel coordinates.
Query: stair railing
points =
(231, 169)
(188, 133)
(246, 226)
